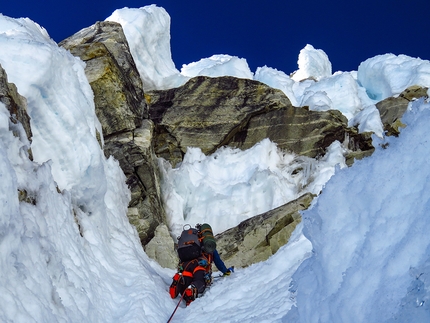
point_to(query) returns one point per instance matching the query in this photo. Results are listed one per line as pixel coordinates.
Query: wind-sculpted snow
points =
(68, 252)
(232, 185)
(313, 63)
(148, 33)
(369, 233)
(388, 75)
(60, 105)
(218, 65)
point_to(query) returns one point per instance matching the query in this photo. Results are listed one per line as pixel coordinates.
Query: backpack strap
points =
(208, 257)
(198, 268)
(187, 274)
(191, 267)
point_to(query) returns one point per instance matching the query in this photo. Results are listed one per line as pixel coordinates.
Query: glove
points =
(229, 271)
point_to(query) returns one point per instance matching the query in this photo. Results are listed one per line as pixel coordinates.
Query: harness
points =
(204, 262)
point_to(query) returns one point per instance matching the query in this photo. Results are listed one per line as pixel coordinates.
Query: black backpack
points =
(189, 245)
(193, 241)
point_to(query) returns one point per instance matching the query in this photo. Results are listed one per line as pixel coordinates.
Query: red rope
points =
(180, 300)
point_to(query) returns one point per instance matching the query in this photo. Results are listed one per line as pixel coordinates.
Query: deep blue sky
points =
(269, 34)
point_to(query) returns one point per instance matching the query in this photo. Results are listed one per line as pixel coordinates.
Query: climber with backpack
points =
(196, 251)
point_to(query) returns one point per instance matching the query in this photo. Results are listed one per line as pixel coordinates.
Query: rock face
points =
(162, 248)
(136, 157)
(16, 104)
(207, 112)
(392, 109)
(122, 111)
(259, 237)
(112, 74)
(213, 112)
(19, 121)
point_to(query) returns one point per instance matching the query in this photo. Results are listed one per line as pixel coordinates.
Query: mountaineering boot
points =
(190, 294)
